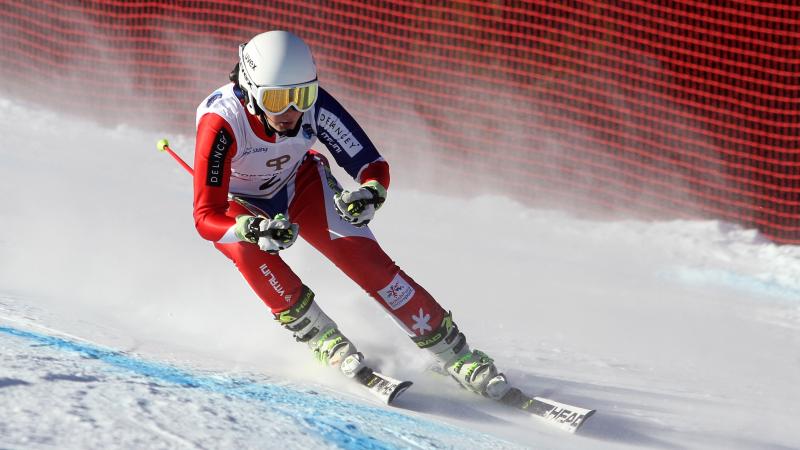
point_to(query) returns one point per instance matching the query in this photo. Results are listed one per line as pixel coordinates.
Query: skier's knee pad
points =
(309, 324)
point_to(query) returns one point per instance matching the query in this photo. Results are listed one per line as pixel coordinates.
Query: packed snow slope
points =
(121, 328)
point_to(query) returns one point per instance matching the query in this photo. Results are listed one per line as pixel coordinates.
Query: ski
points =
(385, 388)
(563, 416)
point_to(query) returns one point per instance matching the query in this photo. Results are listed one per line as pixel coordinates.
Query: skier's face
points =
(285, 121)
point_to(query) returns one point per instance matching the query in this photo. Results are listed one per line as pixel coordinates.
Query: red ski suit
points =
(272, 173)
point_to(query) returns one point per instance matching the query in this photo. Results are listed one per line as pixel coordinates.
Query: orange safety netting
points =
(665, 108)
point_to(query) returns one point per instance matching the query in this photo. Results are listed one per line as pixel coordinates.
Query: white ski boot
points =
(311, 325)
(474, 370)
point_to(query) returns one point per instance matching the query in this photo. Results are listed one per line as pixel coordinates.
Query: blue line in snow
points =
(735, 280)
(330, 418)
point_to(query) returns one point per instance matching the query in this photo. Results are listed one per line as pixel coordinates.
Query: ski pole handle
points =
(163, 145)
(358, 206)
(282, 235)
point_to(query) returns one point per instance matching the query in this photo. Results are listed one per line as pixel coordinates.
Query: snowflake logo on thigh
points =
(394, 290)
(421, 322)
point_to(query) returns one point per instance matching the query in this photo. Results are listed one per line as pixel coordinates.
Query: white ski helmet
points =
(277, 59)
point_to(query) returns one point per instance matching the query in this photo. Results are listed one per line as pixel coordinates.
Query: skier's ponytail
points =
(234, 75)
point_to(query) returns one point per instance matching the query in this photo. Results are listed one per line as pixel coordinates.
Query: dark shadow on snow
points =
(605, 425)
(614, 428)
(8, 382)
(69, 377)
(444, 407)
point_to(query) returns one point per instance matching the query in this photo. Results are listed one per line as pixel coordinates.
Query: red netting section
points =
(663, 108)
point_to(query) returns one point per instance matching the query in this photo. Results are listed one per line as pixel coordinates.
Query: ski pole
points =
(163, 145)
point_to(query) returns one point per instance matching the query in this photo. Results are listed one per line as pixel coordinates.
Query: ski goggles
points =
(276, 100)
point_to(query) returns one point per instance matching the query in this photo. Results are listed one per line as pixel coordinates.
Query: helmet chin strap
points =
(271, 131)
(262, 116)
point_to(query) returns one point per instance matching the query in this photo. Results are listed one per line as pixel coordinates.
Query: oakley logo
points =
(278, 162)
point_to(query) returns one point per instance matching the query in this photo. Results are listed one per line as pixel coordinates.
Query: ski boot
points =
(309, 324)
(473, 369)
